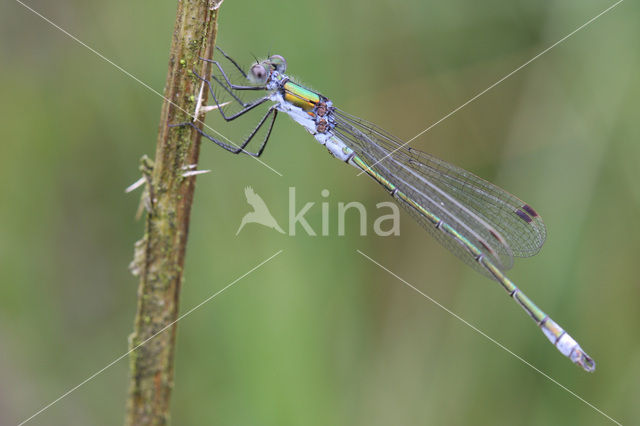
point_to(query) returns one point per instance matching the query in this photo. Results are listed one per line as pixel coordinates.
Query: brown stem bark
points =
(160, 253)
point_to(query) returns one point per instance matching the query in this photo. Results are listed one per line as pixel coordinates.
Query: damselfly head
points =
(278, 63)
(258, 73)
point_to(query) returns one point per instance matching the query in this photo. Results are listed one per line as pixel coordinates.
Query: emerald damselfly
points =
(479, 222)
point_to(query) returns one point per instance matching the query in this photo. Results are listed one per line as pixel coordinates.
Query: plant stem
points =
(160, 253)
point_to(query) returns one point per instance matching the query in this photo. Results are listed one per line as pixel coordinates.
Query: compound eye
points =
(279, 63)
(258, 73)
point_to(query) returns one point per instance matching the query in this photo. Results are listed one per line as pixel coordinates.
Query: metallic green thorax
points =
(300, 96)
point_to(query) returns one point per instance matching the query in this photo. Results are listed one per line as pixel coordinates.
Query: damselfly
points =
(482, 224)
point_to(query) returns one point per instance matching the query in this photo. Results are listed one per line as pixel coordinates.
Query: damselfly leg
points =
(226, 78)
(246, 106)
(230, 59)
(229, 87)
(240, 148)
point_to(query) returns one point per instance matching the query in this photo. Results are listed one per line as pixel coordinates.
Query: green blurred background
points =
(320, 335)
